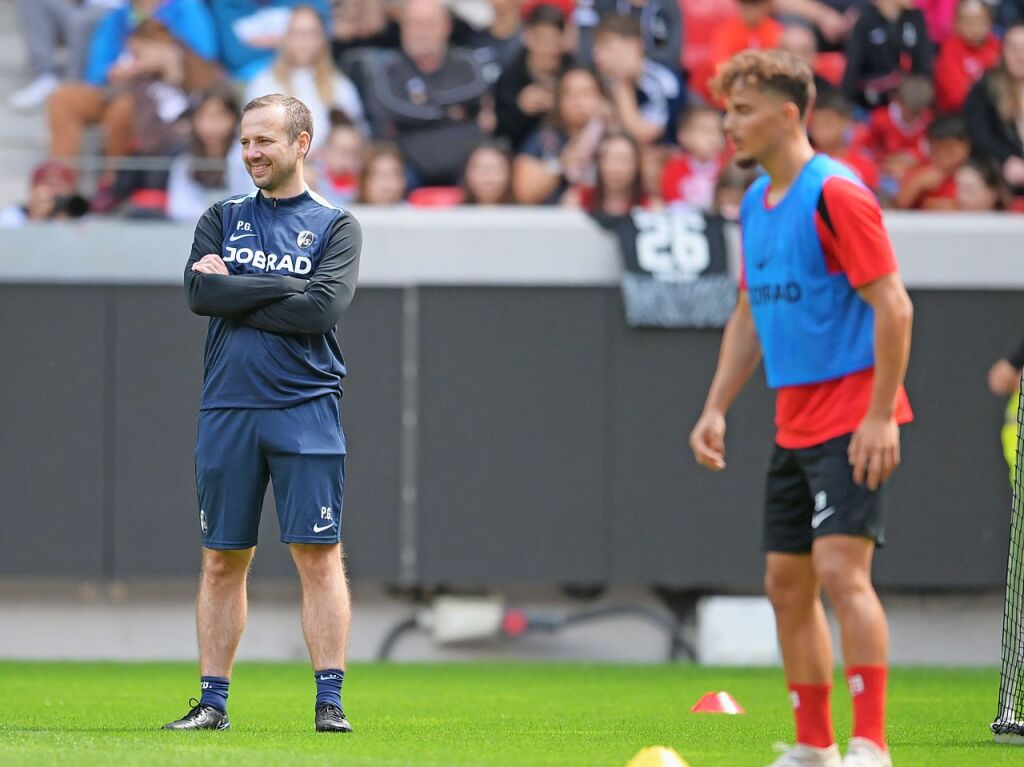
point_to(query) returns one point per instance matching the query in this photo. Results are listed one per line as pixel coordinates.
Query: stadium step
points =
(23, 136)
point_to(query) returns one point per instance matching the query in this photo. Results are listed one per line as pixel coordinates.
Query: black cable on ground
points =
(677, 647)
(390, 639)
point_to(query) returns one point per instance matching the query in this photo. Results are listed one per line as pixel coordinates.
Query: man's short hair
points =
(916, 92)
(776, 71)
(299, 117)
(989, 7)
(623, 26)
(546, 14)
(694, 111)
(946, 127)
(834, 101)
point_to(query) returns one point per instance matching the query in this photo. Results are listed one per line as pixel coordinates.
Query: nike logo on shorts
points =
(821, 516)
(318, 529)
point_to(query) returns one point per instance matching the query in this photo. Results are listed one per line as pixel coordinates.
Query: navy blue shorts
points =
(301, 449)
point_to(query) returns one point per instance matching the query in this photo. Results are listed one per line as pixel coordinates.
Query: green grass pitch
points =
(465, 715)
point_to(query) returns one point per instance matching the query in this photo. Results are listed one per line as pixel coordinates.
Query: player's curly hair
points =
(776, 71)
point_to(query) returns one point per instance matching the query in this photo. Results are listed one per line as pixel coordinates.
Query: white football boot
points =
(864, 753)
(808, 756)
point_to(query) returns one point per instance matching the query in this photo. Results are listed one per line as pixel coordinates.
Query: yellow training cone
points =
(657, 756)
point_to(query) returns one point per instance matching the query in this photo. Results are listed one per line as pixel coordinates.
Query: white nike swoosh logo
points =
(318, 529)
(821, 516)
(234, 237)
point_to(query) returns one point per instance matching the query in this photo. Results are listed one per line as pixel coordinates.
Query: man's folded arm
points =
(328, 292)
(220, 295)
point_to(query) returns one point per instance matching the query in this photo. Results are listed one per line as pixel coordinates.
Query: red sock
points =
(867, 689)
(813, 714)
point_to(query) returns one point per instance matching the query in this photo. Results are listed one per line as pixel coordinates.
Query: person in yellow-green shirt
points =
(1004, 377)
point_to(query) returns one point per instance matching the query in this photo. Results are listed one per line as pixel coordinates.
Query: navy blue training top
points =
(293, 265)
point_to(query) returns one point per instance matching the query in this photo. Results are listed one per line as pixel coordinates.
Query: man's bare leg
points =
(326, 611)
(221, 608)
(220, 619)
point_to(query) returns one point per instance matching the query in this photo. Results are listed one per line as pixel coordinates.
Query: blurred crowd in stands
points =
(601, 105)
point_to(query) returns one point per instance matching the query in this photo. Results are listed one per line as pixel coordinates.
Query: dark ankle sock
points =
(328, 685)
(215, 692)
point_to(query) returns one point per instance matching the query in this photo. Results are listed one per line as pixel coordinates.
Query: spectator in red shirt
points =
(753, 27)
(337, 163)
(690, 176)
(965, 55)
(895, 134)
(831, 132)
(980, 187)
(931, 185)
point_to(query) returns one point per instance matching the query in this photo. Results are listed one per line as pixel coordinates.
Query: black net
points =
(1009, 723)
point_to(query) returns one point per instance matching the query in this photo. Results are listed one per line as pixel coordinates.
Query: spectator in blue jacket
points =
(188, 20)
(250, 31)
(149, 54)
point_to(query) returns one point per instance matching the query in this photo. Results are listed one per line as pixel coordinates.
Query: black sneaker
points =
(330, 718)
(200, 718)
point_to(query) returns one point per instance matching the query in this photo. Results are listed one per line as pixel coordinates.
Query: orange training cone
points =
(657, 756)
(717, 703)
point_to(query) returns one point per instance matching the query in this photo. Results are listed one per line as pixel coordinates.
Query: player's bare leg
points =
(326, 605)
(804, 638)
(326, 611)
(221, 608)
(795, 593)
(843, 564)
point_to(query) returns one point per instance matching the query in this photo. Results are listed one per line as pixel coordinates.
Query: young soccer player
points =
(824, 307)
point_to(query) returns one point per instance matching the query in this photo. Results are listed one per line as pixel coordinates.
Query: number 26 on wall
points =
(672, 243)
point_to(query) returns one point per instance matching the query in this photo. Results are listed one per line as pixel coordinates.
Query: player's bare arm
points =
(737, 360)
(875, 446)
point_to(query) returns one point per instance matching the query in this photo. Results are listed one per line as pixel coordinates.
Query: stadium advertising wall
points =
(545, 439)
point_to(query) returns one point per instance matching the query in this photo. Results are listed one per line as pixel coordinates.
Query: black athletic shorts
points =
(811, 492)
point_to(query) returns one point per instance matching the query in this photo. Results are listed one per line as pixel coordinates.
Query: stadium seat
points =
(146, 203)
(435, 196)
(831, 66)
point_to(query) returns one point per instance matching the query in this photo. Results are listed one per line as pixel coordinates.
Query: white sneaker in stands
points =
(35, 93)
(865, 753)
(808, 756)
